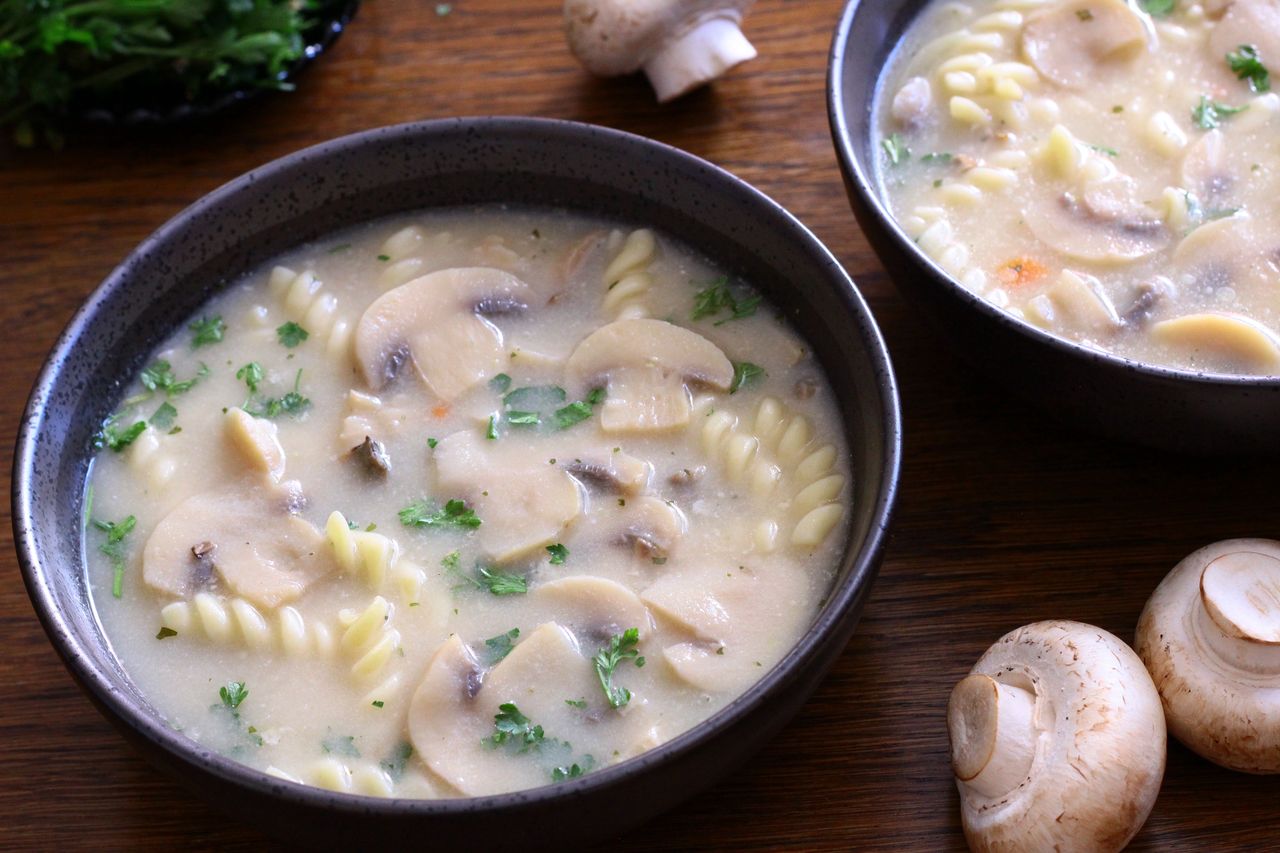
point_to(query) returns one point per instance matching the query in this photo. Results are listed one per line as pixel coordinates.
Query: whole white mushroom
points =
(1057, 741)
(680, 44)
(1210, 636)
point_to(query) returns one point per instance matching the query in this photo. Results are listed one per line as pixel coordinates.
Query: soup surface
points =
(1106, 170)
(435, 507)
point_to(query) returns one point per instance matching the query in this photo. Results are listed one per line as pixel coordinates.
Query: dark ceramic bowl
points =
(1174, 409)
(381, 172)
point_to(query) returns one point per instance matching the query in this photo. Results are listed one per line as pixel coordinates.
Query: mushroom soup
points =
(1103, 173)
(436, 507)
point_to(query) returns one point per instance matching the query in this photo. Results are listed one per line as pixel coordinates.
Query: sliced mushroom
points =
(1230, 251)
(612, 469)
(1072, 42)
(523, 503)
(1147, 296)
(1057, 741)
(1210, 636)
(451, 716)
(577, 255)
(257, 440)
(1252, 22)
(250, 539)
(438, 322)
(1096, 227)
(732, 616)
(594, 608)
(1231, 342)
(372, 457)
(650, 527)
(646, 365)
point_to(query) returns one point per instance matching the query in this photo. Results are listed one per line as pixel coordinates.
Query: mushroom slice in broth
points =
(1073, 43)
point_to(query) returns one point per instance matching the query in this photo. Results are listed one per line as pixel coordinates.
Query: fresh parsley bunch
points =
(61, 56)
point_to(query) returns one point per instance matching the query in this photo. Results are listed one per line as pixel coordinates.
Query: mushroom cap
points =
(261, 551)
(646, 365)
(1067, 42)
(1210, 636)
(436, 320)
(523, 503)
(612, 37)
(1058, 742)
(1104, 225)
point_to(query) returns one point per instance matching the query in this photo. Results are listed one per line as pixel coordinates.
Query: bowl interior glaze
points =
(374, 174)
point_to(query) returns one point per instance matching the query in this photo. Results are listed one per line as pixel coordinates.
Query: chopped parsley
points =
(291, 334)
(251, 375)
(744, 372)
(1208, 114)
(498, 583)
(558, 553)
(579, 410)
(340, 745)
(114, 548)
(455, 513)
(576, 703)
(292, 403)
(500, 383)
(432, 442)
(1084, 15)
(895, 149)
(159, 376)
(511, 726)
(1247, 65)
(500, 646)
(1102, 149)
(164, 416)
(1158, 8)
(937, 157)
(716, 297)
(520, 418)
(395, 763)
(621, 647)
(384, 258)
(116, 438)
(233, 693)
(165, 633)
(378, 703)
(572, 771)
(207, 330)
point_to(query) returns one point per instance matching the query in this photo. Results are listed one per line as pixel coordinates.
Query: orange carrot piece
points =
(441, 410)
(1020, 271)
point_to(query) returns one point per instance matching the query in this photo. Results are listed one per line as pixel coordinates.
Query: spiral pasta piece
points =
(334, 775)
(369, 638)
(627, 279)
(228, 621)
(304, 301)
(372, 557)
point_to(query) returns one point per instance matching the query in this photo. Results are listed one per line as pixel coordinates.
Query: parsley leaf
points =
(291, 334)
(251, 375)
(1103, 149)
(1208, 114)
(518, 418)
(573, 771)
(716, 297)
(394, 764)
(1158, 8)
(895, 149)
(208, 330)
(432, 442)
(500, 584)
(511, 726)
(340, 745)
(744, 372)
(492, 432)
(159, 376)
(621, 647)
(579, 410)
(292, 403)
(576, 703)
(165, 633)
(422, 513)
(164, 416)
(937, 157)
(500, 646)
(558, 553)
(500, 383)
(233, 693)
(1247, 65)
(114, 549)
(115, 438)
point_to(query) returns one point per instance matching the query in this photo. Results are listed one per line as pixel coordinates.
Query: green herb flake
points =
(1117, 109)
(518, 418)
(499, 583)
(159, 376)
(511, 726)
(1208, 114)
(576, 703)
(895, 149)
(113, 548)
(394, 764)
(455, 513)
(292, 404)
(340, 745)
(500, 383)
(206, 331)
(500, 646)
(943, 157)
(1084, 15)
(1158, 8)
(291, 334)
(165, 633)
(558, 553)
(233, 693)
(164, 416)
(744, 373)
(384, 258)
(716, 297)
(572, 771)
(621, 647)
(1102, 149)
(432, 442)
(1247, 65)
(251, 375)
(378, 703)
(492, 432)
(115, 438)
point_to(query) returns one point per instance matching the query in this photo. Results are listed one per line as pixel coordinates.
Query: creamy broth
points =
(487, 525)
(1108, 175)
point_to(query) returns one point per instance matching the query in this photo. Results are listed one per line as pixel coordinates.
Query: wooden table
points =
(1004, 517)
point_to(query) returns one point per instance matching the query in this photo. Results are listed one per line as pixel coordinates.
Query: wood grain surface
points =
(1004, 517)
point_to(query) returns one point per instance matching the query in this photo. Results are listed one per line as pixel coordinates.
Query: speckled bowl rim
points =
(840, 104)
(841, 604)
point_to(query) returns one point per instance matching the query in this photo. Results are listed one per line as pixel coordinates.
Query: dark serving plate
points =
(1174, 409)
(152, 108)
(381, 172)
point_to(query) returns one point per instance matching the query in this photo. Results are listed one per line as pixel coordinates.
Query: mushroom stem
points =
(1238, 616)
(993, 735)
(697, 56)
